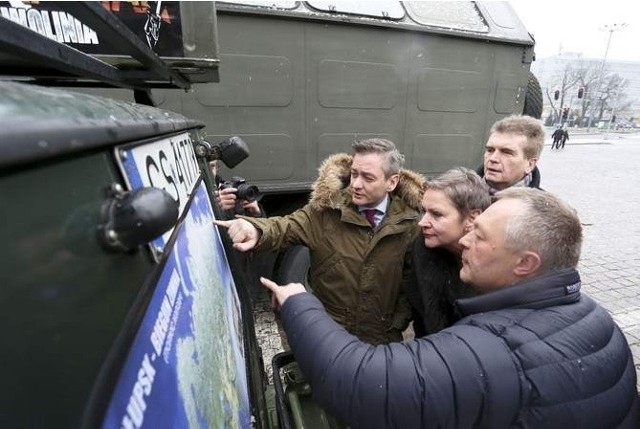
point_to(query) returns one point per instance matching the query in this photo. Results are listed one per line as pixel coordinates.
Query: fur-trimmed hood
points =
(328, 191)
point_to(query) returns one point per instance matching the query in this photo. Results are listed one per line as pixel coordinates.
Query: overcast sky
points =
(579, 26)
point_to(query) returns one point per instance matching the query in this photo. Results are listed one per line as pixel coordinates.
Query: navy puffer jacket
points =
(534, 355)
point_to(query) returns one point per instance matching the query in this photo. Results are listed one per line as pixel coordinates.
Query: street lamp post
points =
(610, 28)
(613, 110)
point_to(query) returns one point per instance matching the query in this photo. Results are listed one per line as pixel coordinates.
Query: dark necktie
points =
(370, 215)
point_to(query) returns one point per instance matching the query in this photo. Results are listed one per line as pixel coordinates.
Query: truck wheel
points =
(533, 98)
(293, 266)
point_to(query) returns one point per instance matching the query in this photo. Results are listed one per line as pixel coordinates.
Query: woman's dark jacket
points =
(432, 286)
(534, 355)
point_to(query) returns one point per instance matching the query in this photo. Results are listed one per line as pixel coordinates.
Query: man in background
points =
(511, 153)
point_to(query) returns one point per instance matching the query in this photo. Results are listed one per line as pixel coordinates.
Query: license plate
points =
(168, 164)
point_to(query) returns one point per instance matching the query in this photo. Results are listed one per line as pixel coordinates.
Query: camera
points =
(244, 191)
(231, 151)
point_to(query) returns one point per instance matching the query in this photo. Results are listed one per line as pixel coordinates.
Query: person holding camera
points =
(235, 196)
(361, 217)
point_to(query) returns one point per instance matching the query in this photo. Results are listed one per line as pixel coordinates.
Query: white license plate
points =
(168, 164)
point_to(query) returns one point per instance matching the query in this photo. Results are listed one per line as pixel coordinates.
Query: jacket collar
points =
(554, 288)
(330, 190)
(535, 176)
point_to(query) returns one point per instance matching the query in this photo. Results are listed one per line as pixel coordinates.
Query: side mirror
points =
(129, 219)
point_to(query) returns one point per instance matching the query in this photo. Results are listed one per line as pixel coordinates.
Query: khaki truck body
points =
(302, 80)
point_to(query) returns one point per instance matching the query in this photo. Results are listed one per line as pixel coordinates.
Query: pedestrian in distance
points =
(531, 351)
(511, 153)
(557, 137)
(358, 224)
(565, 136)
(450, 204)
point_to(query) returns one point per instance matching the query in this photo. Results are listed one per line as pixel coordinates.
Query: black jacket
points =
(557, 134)
(535, 355)
(432, 286)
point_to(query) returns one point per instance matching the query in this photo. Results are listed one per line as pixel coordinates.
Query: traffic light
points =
(556, 94)
(613, 118)
(581, 92)
(565, 113)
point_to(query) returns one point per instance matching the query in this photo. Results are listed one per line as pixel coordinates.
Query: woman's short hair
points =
(466, 190)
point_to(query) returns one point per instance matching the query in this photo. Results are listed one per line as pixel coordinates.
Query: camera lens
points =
(248, 192)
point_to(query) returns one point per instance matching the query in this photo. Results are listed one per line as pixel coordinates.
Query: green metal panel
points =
(299, 87)
(63, 298)
(261, 97)
(357, 83)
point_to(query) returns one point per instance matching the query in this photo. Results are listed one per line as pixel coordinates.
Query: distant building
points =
(550, 70)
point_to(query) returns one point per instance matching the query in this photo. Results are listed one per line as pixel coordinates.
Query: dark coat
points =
(537, 354)
(432, 287)
(355, 271)
(557, 135)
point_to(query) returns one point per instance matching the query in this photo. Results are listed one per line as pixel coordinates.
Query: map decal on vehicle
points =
(186, 366)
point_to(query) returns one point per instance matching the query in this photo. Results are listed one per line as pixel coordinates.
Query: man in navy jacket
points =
(532, 351)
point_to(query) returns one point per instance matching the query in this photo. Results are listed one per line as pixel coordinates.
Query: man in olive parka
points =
(356, 267)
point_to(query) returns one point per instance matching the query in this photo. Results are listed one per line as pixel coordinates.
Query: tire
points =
(293, 266)
(533, 98)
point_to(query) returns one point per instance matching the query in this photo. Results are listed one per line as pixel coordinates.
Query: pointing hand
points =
(281, 293)
(243, 235)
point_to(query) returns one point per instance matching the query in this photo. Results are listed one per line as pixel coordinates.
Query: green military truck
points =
(125, 306)
(302, 80)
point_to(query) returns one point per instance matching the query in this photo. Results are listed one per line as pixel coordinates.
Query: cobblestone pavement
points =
(267, 331)
(598, 176)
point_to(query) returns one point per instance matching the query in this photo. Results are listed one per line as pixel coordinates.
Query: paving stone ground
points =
(598, 175)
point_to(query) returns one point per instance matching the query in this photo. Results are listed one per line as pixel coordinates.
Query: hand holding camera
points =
(236, 194)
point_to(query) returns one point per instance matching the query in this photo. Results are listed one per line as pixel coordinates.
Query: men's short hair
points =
(523, 125)
(548, 226)
(394, 159)
(466, 190)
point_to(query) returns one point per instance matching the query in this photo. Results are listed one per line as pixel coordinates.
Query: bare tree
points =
(567, 80)
(602, 92)
(611, 88)
(588, 74)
